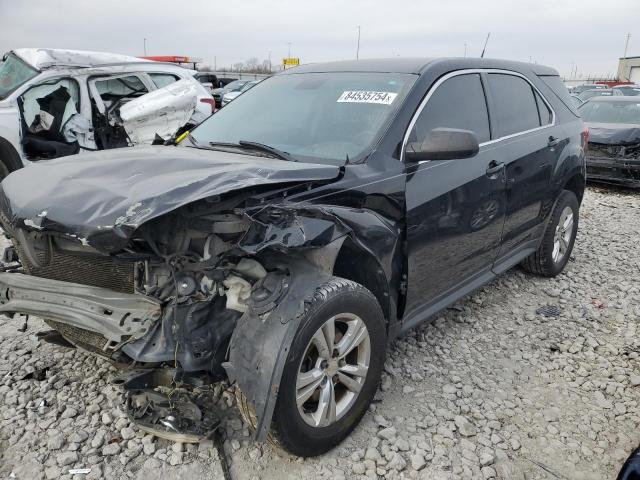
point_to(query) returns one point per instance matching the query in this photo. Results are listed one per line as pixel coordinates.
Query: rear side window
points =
(120, 87)
(458, 103)
(515, 105)
(163, 79)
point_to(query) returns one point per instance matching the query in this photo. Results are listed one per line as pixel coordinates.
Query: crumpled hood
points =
(613, 133)
(101, 198)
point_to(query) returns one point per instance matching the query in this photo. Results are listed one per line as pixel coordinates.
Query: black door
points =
(529, 146)
(455, 208)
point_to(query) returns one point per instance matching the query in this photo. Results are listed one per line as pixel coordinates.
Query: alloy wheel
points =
(562, 237)
(333, 370)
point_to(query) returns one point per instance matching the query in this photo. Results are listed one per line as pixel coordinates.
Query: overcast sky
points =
(589, 33)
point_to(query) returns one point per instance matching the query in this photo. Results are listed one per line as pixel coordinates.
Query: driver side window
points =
(460, 103)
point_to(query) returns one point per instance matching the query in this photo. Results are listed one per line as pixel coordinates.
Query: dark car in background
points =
(288, 239)
(614, 140)
(208, 79)
(597, 92)
(578, 89)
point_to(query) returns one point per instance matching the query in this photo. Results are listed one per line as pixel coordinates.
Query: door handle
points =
(553, 141)
(494, 167)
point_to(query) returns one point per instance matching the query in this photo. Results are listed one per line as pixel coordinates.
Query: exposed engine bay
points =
(204, 270)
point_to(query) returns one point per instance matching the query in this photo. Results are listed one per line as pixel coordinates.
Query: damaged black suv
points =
(289, 238)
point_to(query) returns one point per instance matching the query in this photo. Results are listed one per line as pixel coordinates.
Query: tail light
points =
(211, 102)
(585, 138)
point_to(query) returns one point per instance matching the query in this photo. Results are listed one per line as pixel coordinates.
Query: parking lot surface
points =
(492, 389)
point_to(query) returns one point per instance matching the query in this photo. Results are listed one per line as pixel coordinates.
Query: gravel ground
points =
(491, 389)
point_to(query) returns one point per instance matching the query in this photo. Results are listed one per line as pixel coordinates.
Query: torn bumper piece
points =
(118, 317)
(170, 403)
(617, 171)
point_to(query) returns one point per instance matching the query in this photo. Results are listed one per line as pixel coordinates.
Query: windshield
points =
(13, 73)
(317, 117)
(611, 112)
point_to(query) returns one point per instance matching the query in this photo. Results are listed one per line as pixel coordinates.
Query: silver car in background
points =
(228, 97)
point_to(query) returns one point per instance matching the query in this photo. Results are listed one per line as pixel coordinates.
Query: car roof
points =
(44, 58)
(616, 99)
(417, 66)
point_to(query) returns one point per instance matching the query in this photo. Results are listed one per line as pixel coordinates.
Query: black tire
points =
(541, 262)
(288, 429)
(9, 159)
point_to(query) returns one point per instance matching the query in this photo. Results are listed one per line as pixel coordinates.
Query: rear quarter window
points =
(554, 83)
(163, 79)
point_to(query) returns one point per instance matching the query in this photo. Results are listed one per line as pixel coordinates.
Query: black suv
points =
(290, 237)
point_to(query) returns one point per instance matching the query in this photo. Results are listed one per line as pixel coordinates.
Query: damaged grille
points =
(86, 269)
(86, 339)
(614, 151)
(93, 270)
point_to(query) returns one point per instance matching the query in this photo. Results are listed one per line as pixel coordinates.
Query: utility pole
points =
(626, 45)
(215, 64)
(269, 61)
(145, 46)
(289, 54)
(485, 45)
(358, 47)
(465, 49)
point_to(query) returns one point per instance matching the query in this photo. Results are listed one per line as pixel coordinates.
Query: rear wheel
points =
(332, 370)
(559, 238)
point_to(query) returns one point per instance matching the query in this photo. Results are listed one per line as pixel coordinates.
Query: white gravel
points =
(489, 390)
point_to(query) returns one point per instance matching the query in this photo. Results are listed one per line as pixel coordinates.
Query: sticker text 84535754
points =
(367, 96)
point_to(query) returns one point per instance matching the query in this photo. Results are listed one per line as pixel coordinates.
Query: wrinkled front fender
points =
(260, 343)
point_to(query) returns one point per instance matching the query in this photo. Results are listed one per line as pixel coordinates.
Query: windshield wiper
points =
(245, 145)
(269, 149)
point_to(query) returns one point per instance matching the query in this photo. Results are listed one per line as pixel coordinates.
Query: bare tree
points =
(238, 67)
(251, 64)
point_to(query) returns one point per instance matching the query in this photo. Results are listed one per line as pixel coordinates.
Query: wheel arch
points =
(576, 184)
(359, 265)
(9, 155)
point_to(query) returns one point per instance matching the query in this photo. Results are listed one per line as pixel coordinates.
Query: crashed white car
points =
(55, 103)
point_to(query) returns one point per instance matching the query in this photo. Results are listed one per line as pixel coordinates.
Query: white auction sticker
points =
(367, 96)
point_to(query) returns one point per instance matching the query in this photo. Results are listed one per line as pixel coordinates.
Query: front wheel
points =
(559, 237)
(332, 370)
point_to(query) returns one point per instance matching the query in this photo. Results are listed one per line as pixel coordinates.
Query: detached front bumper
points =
(118, 317)
(617, 171)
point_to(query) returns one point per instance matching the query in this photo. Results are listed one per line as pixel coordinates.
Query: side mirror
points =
(443, 144)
